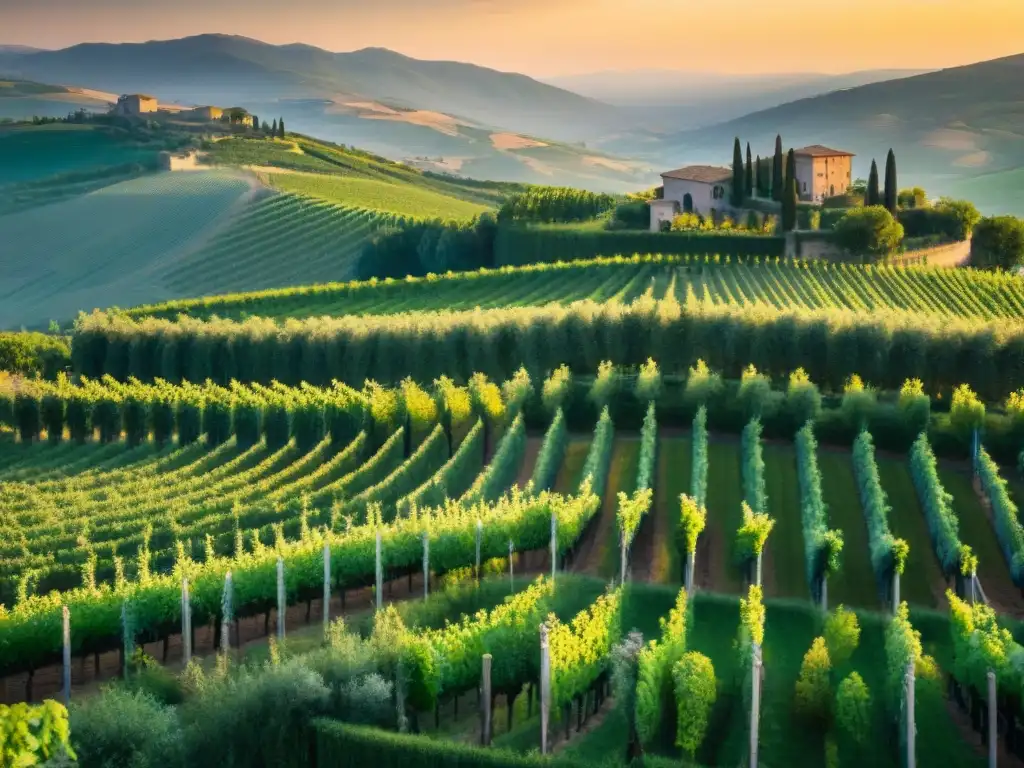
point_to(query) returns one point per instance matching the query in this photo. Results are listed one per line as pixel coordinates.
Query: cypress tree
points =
(777, 180)
(749, 191)
(739, 182)
(255, 122)
(280, 128)
(273, 130)
(789, 197)
(757, 176)
(891, 191)
(872, 197)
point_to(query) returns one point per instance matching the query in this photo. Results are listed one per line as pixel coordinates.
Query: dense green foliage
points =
(870, 231)
(553, 204)
(753, 468)
(948, 219)
(655, 666)
(822, 546)
(998, 242)
(1005, 518)
(699, 466)
(696, 691)
(937, 505)
(518, 245)
(888, 554)
(31, 354)
(420, 248)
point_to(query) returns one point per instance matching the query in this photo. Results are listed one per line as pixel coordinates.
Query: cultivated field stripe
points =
(855, 584)
(659, 550)
(785, 548)
(725, 515)
(922, 582)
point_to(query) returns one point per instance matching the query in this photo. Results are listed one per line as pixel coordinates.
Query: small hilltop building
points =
(135, 104)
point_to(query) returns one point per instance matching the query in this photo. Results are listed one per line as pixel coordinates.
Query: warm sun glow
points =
(567, 36)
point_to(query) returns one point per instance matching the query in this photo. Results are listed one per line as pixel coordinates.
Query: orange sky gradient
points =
(555, 37)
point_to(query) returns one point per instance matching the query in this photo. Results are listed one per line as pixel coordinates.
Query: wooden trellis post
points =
(485, 702)
(282, 599)
(911, 735)
(545, 688)
(993, 718)
(327, 589)
(755, 702)
(186, 622)
(66, 616)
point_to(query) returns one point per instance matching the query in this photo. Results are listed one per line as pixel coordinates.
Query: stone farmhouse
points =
(135, 104)
(820, 172)
(208, 114)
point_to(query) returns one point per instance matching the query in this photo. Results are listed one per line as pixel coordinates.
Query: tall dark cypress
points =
(789, 195)
(280, 128)
(890, 183)
(739, 182)
(872, 197)
(749, 191)
(757, 175)
(777, 180)
(273, 128)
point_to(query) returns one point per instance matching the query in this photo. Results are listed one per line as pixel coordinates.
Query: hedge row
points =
(453, 479)
(821, 545)
(31, 354)
(503, 470)
(937, 504)
(552, 451)
(885, 348)
(888, 554)
(753, 468)
(1005, 516)
(525, 245)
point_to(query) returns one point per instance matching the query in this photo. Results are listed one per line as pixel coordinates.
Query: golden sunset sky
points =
(555, 37)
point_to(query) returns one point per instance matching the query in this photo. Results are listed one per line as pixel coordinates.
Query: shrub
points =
(125, 728)
(26, 415)
(263, 711)
(702, 385)
(635, 214)
(696, 691)
(813, 691)
(914, 406)
(947, 219)
(912, 198)
(754, 392)
(550, 204)
(853, 709)
(842, 635)
(34, 354)
(648, 382)
(692, 521)
(998, 242)
(966, 412)
(556, 389)
(870, 231)
(753, 533)
(605, 385)
(858, 402)
(803, 400)
(752, 615)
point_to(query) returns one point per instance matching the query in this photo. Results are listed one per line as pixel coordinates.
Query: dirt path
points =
(592, 556)
(1002, 595)
(533, 445)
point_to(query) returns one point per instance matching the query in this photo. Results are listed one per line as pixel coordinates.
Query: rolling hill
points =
(444, 116)
(261, 214)
(947, 127)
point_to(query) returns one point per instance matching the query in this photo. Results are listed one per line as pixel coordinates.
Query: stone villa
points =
(820, 172)
(135, 104)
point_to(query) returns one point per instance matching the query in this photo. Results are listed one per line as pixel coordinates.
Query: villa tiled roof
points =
(817, 150)
(705, 174)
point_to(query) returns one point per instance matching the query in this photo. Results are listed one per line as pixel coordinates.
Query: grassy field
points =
(279, 241)
(377, 194)
(785, 549)
(725, 514)
(107, 247)
(35, 152)
(933, 290)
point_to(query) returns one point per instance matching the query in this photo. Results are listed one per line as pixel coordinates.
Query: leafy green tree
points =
(789, 197)
(749, 178)
(696, 690)
(869, 232)
(998, 242)
(890, 183)
(777, 180)
(914, 197)
(739, 182)
(872, 196)
(813, 689)
(853, 709)
(842, 635)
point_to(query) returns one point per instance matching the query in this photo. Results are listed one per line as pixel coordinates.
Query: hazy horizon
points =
(559, 38)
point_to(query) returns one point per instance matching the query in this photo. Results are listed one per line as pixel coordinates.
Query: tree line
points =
(886, 347)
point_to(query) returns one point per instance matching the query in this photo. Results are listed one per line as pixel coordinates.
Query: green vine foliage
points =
(648, 382)
(33, 734)
(853, 709)
(752, 534)
(693, 518)
(699, 471)
(702, 385)
(696, 691)
(1006, 521)
(888, 554)
(813, 700)
(980, 644)
(822, 547)
(937, 504)
(654, 668)
(753, 467)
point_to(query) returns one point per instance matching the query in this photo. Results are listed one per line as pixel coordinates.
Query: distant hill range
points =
(949, 128)
(443, 113)
(676, 100)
